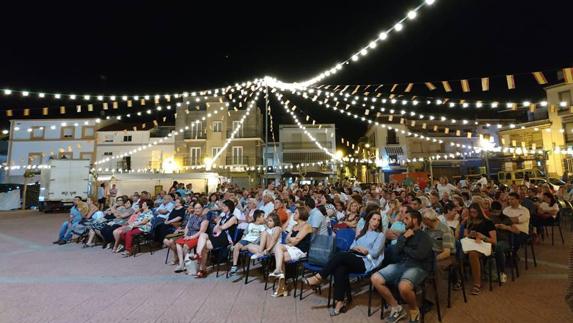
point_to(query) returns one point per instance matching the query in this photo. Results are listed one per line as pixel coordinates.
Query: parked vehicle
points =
(555, 183)
(518, 176)
(64, 179)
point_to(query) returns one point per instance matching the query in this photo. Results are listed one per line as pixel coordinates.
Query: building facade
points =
(298, 149)
(113, 141)
(206, 132)
(35, 141)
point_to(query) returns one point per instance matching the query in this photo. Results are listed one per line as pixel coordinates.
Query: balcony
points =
(306, 145)
(242, 161)
(246, 133)
(193, 134)
(193, 161)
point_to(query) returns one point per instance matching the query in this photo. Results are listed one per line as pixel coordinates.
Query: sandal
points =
(307, 282)
(476, 290)
(195, 257)
(200, 274)
(457, 285)
(334, 312)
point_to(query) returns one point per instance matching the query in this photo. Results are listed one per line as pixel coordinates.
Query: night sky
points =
(136, 47)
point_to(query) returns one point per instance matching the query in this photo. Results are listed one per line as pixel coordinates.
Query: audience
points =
(401, 229)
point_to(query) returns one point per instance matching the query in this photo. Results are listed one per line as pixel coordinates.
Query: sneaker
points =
(120, 248)
(256, 256)
(57, 241)
(396, 314)
(276, 273)
(62, 242)
(233, 270)
(414, 316)
(503, 278)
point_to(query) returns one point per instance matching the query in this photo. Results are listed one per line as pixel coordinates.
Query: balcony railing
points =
(189, 161)
(193, 134)
(246, 133)
(242, 160)
(306, 145)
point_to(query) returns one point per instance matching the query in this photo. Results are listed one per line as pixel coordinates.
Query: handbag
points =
(321, 249)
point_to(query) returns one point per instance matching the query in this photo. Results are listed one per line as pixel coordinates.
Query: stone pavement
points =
(41, 282)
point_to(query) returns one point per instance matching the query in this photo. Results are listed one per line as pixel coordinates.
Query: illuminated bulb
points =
(543, 103)
(412, 14)
(86, 97)
(372, 44)
(494, 104)
(41, 95)
(430, 2)
(53, 127)
(100, 97)
(363, 52)
(16, 128)
(4, 132)
(526, 103)
(72, 96)
(563, 104)
(25, 93)
(383, 36)
(398, 27)
(57, 96)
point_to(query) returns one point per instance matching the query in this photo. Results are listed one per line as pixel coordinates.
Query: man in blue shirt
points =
(316, 219)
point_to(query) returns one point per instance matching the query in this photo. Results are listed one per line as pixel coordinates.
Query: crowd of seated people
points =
(403, 232)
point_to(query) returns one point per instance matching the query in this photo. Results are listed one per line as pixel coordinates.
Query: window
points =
(108, 138)
(215, 150)
(237, 155)
(237, 124)
(127, 138)
(37, 132)
(195, 156)
(88, 132)
(125, 163)
(217, 126)
(568, 132)
(108, 153)
(67, 132)
(565, 96)
(66, 155)
(88, 156)
(196, 130)
(35, 158)
(393, 160)
(391, 138)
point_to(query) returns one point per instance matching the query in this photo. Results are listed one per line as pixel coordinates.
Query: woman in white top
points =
(445, 187)
(547, 210)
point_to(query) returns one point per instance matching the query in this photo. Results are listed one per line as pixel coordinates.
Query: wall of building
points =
(47, 140)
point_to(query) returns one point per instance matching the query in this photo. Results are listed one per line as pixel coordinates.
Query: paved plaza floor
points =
(41, 282)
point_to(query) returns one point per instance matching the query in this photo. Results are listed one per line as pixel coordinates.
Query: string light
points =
(410, 15)
(179, 130)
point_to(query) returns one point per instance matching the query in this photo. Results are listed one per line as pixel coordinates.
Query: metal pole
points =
(431, 171)
(266, 127)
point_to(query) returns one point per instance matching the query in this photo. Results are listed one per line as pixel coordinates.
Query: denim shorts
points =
(394, 273)
(244, 242)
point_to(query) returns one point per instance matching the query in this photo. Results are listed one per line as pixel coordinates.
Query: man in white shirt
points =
(163, 210)
(483, 180)
(268, 205)
(519, 215)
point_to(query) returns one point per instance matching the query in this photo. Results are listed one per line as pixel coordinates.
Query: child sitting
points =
(251, 238)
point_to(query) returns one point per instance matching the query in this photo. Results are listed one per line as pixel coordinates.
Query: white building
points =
(114, 141)
(35, 141)
(297, 148)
